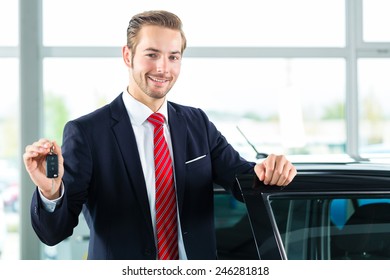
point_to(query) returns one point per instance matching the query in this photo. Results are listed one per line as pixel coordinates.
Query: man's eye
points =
(174, 57)
(152, 55)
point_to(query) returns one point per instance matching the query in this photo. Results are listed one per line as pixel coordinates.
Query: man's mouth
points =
(158, 80)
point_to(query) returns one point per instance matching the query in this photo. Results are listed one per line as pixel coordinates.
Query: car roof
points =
(346, 166)
(354, 176)
(340, 163)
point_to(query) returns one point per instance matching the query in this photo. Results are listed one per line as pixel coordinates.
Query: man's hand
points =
(275, 170)
(35, 162)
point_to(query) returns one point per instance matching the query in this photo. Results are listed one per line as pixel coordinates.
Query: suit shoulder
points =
(188, 111)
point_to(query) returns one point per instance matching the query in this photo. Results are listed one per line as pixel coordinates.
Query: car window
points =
(233, 231)
(355, 227)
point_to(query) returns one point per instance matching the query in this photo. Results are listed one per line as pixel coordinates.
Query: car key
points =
(51, 164)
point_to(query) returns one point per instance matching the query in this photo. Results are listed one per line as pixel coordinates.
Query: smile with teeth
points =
(158, 80)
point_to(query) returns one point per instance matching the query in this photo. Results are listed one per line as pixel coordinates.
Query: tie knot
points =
(156, 119)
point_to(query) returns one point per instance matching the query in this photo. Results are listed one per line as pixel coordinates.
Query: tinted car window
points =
(333, 227)
(233, 232)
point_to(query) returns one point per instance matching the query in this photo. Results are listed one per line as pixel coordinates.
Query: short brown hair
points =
(158, 18)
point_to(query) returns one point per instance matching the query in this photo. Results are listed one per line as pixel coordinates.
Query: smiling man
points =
(154, 63)
(142, 168)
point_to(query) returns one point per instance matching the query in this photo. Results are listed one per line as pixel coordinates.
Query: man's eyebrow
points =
(151, 50)
(158, 51)
(176, 52)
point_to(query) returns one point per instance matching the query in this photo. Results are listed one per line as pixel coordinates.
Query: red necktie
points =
(166, 216)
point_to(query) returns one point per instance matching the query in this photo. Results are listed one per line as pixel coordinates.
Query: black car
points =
(331, 211)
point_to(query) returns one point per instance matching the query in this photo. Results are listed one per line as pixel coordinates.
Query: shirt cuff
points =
(50, 205)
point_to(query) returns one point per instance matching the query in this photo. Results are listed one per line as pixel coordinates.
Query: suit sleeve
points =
(54, 227)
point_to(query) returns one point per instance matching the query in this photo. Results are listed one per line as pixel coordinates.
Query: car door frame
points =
(311, 181)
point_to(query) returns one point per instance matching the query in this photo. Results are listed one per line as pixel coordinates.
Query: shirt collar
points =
(139, 112)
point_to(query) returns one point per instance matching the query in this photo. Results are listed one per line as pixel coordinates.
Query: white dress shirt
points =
(144, 133)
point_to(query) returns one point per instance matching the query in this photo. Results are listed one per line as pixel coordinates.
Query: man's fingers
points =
(58, 151)
(39, 147)
(34, 154)
(275, 170)
(260, 171)
(287, 175)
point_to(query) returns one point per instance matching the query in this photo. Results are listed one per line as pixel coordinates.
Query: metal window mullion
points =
(353, 21)
(264, 52)
(202, 52)
(31, 108)
(81, 52)
(7, 52)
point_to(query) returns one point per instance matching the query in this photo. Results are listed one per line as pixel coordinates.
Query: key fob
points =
(51, 165)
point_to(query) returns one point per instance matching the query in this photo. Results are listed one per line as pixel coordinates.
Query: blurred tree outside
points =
(10, 143)
(373, 115)
(55, 116)
(335, 111)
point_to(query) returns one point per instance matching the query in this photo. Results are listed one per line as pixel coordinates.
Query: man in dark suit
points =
(106, 162)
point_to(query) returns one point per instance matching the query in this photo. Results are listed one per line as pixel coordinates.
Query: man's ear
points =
(126, 55)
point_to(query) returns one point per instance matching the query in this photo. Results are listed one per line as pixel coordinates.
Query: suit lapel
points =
(126, 140)
(178, 131)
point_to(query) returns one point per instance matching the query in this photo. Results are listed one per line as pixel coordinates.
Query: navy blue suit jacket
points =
(103, 172)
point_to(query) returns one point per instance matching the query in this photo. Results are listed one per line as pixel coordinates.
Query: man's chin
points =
(158, 93)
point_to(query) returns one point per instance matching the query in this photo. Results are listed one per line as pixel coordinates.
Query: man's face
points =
(156, 63)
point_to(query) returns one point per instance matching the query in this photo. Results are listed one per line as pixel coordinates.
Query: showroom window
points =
(374, 104)
(267, 97)
(376, 21)
(278, 73)
(9, 131)
(374, 87)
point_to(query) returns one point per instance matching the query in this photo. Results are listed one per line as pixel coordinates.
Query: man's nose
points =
(162, 65)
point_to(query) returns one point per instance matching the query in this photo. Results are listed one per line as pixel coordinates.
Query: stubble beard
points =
(155, 94)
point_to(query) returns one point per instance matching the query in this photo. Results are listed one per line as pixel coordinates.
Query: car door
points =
(340, 212)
